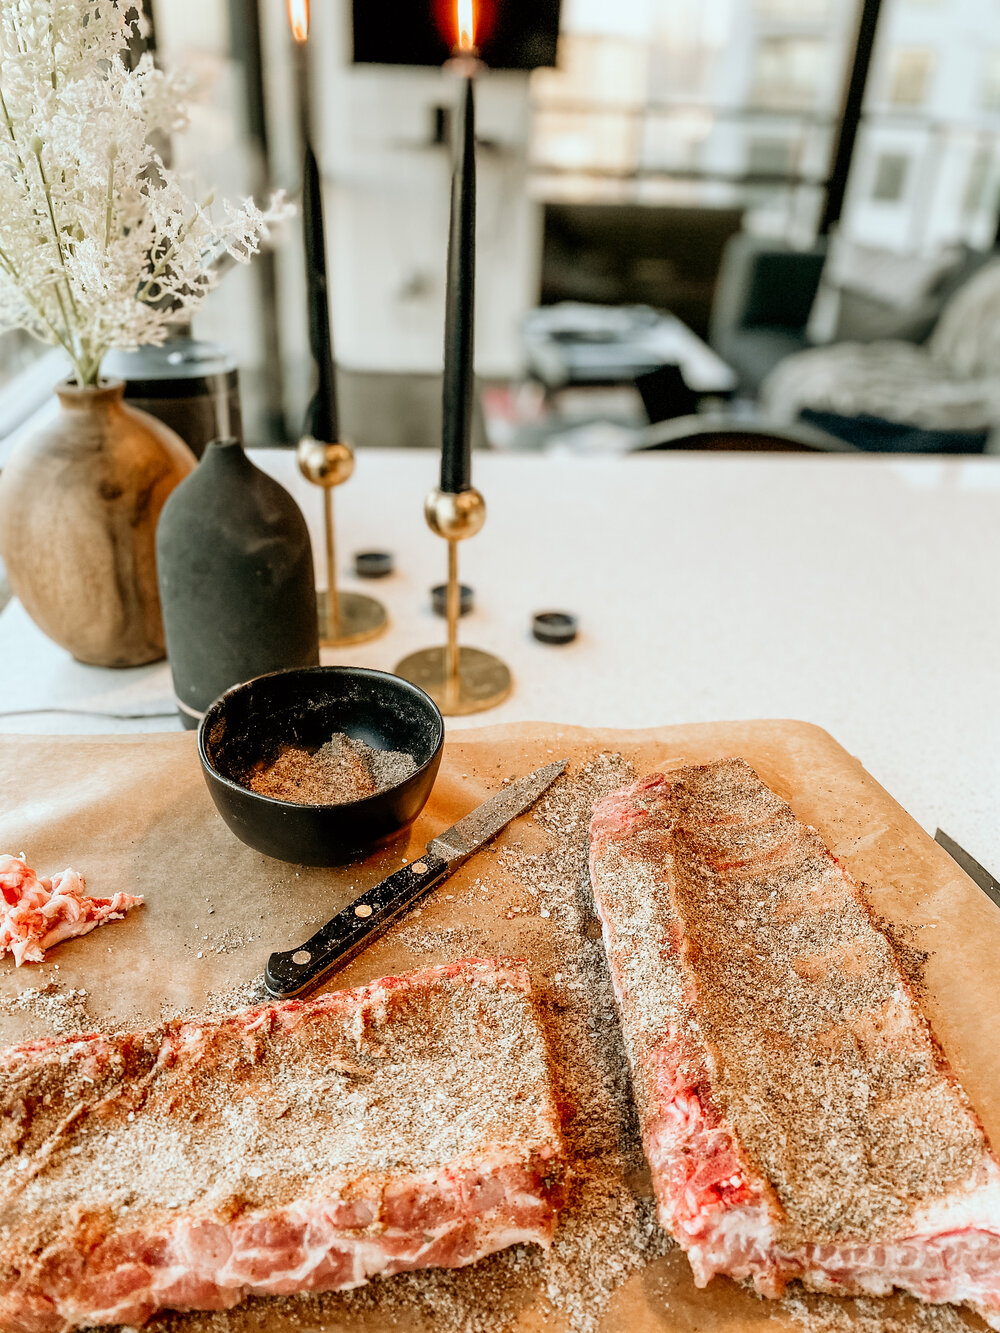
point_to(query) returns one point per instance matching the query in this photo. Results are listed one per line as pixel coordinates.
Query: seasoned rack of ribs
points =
(302, 1146)
(799, 1118)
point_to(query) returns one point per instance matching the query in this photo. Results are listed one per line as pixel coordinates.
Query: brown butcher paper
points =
(132, 813)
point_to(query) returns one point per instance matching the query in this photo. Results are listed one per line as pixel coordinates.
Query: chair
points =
(723, 432)
(762, 302)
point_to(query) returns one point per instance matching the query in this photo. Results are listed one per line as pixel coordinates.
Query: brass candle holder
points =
(344, 617)
(460, 680)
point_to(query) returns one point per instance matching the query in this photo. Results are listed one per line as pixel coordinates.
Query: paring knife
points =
(972, 868)
(366, 918)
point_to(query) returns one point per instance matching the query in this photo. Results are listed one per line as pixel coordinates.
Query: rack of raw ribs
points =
(799, 1119)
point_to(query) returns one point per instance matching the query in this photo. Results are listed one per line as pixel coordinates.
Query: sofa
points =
(872, 347)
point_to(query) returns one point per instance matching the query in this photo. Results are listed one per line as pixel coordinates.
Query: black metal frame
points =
(850, 120)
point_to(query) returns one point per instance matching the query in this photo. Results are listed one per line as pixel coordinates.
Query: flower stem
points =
(58, 336)
(56, 234)
(67, 340)
(110, 204)
(164, 259)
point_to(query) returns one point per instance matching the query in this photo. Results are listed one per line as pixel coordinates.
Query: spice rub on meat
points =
(798, 1116)
(302, 1146)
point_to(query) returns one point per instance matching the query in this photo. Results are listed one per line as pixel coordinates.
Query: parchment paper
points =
(133, 813)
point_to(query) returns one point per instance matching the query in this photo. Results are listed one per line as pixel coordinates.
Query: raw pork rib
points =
(799, 1119)
(302, 1146)
(37, 913)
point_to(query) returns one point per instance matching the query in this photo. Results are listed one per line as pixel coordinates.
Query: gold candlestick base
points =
(344, 617)
(358, 618)
(459, 680)
(482, 681)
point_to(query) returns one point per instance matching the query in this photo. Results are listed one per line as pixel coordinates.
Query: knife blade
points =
(976, 872)
(370, 915)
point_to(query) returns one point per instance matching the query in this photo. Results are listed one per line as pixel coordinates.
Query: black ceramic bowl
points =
(304, 706)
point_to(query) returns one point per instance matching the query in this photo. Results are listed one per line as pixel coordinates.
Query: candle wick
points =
(464, 62)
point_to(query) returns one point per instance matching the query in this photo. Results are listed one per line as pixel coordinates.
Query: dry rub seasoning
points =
(342, 770)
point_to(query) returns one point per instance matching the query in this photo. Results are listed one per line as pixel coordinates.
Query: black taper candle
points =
(321, 416)
(460, 305)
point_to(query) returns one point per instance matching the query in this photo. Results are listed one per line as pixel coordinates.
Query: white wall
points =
(387, 195)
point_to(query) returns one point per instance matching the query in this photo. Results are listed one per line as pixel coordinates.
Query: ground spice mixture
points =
(342, 770)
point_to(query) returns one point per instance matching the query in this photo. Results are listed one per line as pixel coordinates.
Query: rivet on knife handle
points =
(353, 928)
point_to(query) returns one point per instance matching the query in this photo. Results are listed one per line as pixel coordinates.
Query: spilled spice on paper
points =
(49, 1009)
(872, 1314)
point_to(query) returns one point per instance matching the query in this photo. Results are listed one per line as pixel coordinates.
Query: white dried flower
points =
(100, 244)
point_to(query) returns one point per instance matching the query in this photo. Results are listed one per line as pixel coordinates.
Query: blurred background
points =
(676, 200)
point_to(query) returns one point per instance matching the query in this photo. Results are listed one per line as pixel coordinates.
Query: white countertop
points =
(859, 593)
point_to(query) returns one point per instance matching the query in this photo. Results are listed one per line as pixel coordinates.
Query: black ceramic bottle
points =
(236, 579)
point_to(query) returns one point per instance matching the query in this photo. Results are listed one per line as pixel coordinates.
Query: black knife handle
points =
(347, 933)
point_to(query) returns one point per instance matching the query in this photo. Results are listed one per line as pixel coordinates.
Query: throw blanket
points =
(951, 383)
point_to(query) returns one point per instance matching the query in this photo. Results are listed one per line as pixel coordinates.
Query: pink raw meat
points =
(37, 913)
(799, 1118)
(302, 1146)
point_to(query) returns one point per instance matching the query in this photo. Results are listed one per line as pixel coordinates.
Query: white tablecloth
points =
(857, 593)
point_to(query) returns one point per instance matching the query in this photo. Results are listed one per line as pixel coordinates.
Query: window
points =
(674, 140)
(583, 141)
(668, 102)
(891, 171)
(980, 170)
(787, 72)
(909, 77)
(794, 11)
(768, 155)
(934, 100)
(595, 71)
(990, 96)
(17, 350)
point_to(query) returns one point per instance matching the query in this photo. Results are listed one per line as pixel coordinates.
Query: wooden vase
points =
(79, 504)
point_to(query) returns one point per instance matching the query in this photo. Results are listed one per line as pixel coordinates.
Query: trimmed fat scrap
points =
(799, 1118)
(36, 913)
(302, 1146)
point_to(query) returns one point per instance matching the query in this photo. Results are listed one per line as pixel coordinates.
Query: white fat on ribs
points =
(303, 1146)
(37, 913)
(800, 1120)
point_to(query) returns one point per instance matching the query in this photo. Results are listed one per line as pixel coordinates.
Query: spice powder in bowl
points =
(340, 771)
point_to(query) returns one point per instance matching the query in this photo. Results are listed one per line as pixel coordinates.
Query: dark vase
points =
(236, 579)
(191, 386)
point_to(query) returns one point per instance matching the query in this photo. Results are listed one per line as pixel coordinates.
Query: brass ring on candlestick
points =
(455, 515)
(324, 464)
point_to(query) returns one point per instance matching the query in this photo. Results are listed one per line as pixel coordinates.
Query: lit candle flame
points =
(466, 18)
(298, 17)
